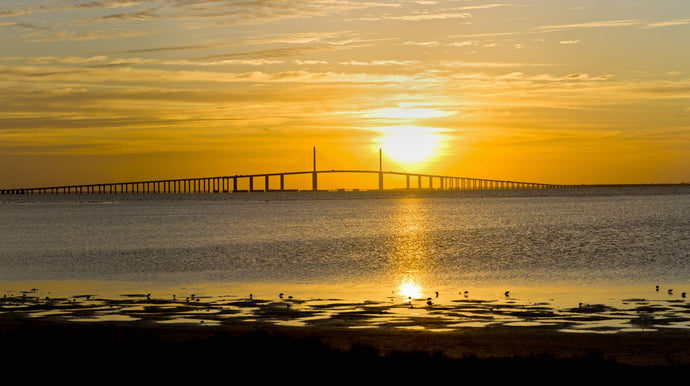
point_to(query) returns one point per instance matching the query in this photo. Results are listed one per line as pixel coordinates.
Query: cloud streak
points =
(591, 24)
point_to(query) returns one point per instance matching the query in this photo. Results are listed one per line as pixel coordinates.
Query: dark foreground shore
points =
(147, 351)
(144, 339)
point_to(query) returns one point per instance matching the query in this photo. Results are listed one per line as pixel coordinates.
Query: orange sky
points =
(563, 92)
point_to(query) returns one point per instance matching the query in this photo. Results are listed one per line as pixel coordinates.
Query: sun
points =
(410, 145)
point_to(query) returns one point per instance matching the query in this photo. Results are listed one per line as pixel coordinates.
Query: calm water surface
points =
(411, 242)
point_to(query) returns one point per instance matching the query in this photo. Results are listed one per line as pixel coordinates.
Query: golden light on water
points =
(412, 260)
(409, 288)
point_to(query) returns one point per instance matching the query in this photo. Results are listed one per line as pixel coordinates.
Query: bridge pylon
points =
(314, 178)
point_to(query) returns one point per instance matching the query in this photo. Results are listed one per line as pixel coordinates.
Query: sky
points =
(549, 91)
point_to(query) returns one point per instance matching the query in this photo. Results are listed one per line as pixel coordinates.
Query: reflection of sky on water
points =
(395, 250)
(448, 312)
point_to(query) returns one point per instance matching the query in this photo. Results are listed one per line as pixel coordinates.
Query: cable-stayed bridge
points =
(246, 183)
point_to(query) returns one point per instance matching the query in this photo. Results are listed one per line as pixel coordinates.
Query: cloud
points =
(463, 64)
(309, 62)
(335, 38)
(21, 25)
(485, 6)
(170, 48)
(228, 12)
(568, 42)
(592, 24)
(56, 36)
(669, 23)
(465, 43)
(424, 44)
(380, 63)
(105, 4)
(275, 53)
(613, 23)
(425, 15)
(15, 12)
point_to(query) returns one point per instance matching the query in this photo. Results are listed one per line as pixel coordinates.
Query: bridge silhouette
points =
(230, 184)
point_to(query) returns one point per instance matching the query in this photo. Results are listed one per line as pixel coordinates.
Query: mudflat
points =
(161, 337)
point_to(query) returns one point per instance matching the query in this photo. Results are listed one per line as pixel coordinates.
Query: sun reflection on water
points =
(411, 255)
(410, 288)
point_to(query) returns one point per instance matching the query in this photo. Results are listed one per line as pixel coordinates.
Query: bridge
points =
(227, 184)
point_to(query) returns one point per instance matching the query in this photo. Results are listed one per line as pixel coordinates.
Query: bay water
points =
(554, 242)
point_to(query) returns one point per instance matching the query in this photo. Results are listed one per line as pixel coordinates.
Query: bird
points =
(148, 296)
(682, 294)
(507, 293)
(280, 295)
(436, 293)
(670, 291)
(657, 288)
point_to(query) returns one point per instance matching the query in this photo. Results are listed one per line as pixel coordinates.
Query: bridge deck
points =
(230, 184)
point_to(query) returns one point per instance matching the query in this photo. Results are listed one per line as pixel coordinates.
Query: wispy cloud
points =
(465, 43)
(57, 36)
(275, 53)
(380, 63)
(423, 44)
(226, 12)
(485, 6)
(669, 23)
(643, 24)
(428, 15)
(591, 24)
(103, 3)
(21, 25)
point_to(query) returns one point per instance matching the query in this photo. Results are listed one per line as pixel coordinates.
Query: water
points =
(377, 241)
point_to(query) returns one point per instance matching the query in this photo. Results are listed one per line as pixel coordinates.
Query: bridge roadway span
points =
(228, 184)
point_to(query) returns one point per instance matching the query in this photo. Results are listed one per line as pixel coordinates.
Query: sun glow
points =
(410, 145)
(409, 113)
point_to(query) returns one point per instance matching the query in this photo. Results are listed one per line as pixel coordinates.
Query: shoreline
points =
(460, 331)
(272, 351)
